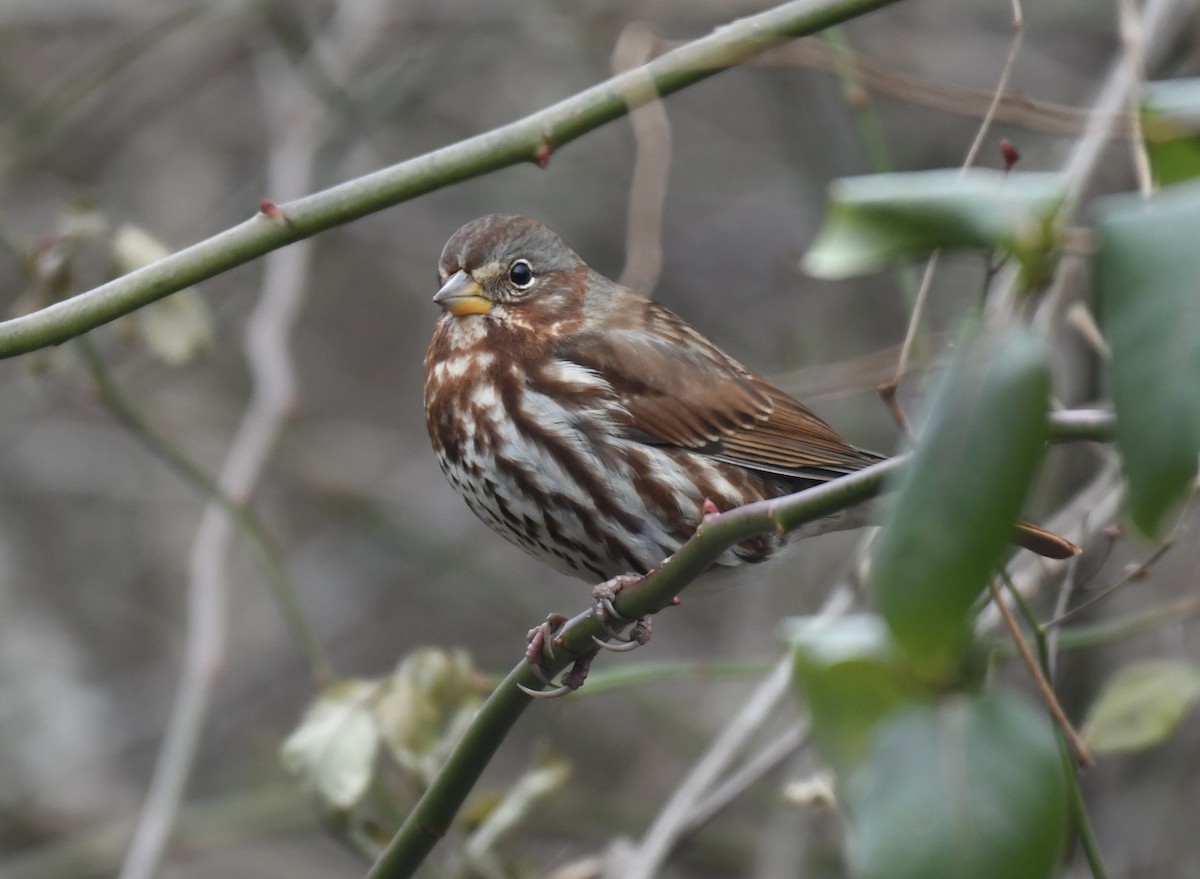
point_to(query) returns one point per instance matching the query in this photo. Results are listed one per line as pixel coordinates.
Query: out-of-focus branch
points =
(289, 170)
(1021, 110)
(533, 138)
(702, 792)
(651, 165)
(248, 523)
(644, 862)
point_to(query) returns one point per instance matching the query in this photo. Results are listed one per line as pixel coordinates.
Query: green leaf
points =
(972, 787)
(873, 220)
(1141, 705)
(952, 518)
(1148, 277)
(850, 674)
(333, 749)
(1171, 128)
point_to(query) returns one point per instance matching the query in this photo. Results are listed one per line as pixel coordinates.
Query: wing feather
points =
(677, 388)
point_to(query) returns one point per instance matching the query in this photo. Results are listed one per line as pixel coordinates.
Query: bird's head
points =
(511, 270)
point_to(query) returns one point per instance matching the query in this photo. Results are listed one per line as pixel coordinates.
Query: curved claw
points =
(606, 610)
(603, 615)
(539, 674)
(556, 693)
(624, 645)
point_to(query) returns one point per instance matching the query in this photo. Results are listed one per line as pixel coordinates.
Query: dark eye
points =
(520, 274)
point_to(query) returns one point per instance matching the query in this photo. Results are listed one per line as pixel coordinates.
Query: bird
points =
(593, 427)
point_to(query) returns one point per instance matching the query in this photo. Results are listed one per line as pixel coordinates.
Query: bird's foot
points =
(542, 641)
(606, 613)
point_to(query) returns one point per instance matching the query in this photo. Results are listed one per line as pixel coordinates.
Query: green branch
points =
(430, 819)
(532, 139)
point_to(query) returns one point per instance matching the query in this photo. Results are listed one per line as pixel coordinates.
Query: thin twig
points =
(1066, 737)
(1048, 696)
(888, 391)
(1093, 507)
(761, 764)
(1138, 573)
(661, 837)
(1061, 603)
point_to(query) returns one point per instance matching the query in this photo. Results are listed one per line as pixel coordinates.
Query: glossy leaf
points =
(1148, 275)
(850, 675)
(971, 787)
(874, 220)
(1141, 705)
(1171, 128)
(952, 518)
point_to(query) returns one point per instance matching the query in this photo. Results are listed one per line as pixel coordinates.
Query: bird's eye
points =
(520, 274)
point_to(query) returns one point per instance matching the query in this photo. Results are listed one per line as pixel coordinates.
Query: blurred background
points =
(124, 123)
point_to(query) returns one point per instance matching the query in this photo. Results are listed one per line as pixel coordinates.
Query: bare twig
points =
(1020, 110)
(1082, 757)
(1093, 507)
(888, 391)
(1137, 573)
(659, 840)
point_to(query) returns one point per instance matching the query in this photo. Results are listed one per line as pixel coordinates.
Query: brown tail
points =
(1045, 543)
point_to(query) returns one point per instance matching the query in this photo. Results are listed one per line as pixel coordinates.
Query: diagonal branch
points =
(531, 139)
(431, 818)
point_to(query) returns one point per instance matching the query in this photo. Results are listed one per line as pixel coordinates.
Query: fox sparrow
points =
(588, 424)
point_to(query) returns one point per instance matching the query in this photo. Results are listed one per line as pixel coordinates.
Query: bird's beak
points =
(460, 296)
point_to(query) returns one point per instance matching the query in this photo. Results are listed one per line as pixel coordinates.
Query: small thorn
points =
(541, 156)
(1137, 573)
(708, 509)
(272, 211)
(1114, 531)
(676, 601)
(1010, 153)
